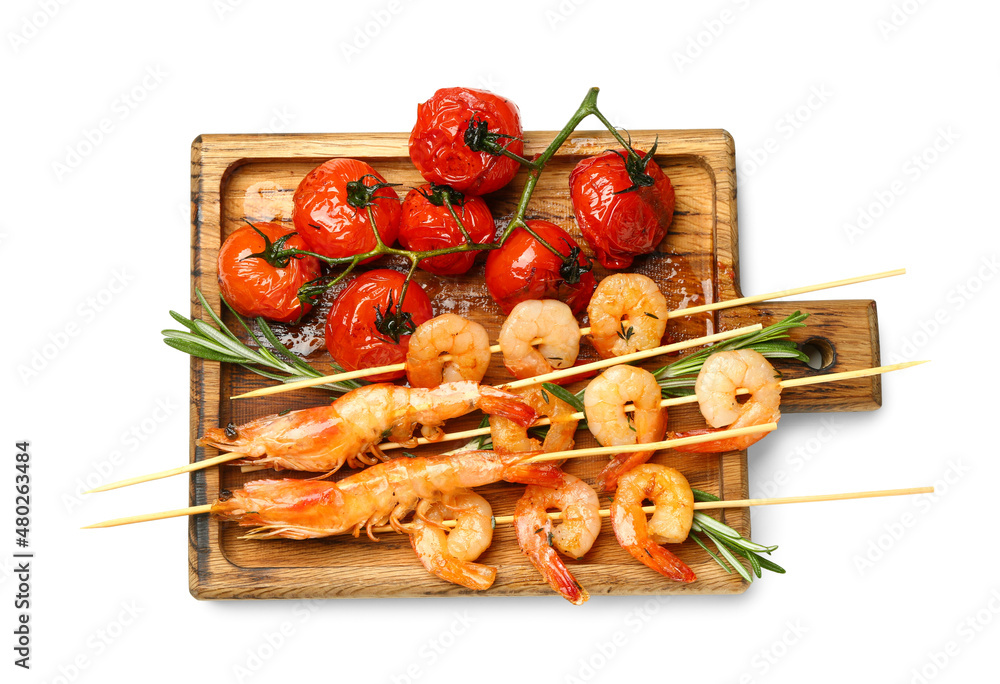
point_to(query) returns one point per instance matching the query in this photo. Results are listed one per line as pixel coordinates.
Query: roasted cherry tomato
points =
(254, 282)
(457, 138)
(331, 208)
(623, 204)
(367, 326)
(427, 224)
(523, 268)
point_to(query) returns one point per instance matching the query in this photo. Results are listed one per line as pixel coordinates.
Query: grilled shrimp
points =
(466, 341)
(604, 401)
(509, 437)
(449, 554)
(722, 374)
(384, 493)
(323, 438)
(628, 313)
(539, 539)
(671, 494)
(548, 319)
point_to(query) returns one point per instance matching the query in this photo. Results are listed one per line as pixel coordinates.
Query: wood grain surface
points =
(237, 177)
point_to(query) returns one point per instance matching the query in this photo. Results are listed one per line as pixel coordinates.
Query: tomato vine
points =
(478, 138)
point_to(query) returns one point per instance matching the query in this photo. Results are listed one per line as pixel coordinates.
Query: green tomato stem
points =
(371, 219)
(535, 168)
(406, 284)
(380, 249)
(454, 215)
(516, 157)
(586, 108)
(614, 131)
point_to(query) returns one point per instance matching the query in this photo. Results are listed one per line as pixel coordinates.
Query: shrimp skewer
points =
(303, 509)
(670, 524)
(680, 401)
(604, 513)
(715, 306)
(467, 344)
(216, 460)
(384, 493)
(323, 438)
(547, 323)
(604, 401)
(722, 375)
(450, 554)
(539, 540)
(628, 313)
(517, 384)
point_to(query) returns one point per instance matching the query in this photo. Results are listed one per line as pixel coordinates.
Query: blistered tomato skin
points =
(523, 268)
(437, 142)
(426, 226)
(331, 225)
(352, 337)
(619, 227)
(252, 286)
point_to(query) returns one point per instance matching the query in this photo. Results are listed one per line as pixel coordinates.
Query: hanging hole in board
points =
(821, 352)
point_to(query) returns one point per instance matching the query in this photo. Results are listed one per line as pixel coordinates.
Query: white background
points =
(881, 590)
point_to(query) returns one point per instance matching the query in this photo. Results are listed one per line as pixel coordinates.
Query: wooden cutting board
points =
(252, 177)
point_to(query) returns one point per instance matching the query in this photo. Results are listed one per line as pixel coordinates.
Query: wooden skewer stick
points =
(604, 513)
(629, 358)
(754, 299)
(677, 401)
(767, 427)
(629, 448)
(574, 370)
(677, 346)
(815, 497)
(735, 503)
(197, 465)
(654, 446)
(476, 432)
(811, 380)
(715, 306)
(553, 456)
(146, 517)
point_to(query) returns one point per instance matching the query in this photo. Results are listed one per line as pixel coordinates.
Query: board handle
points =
(843, 334)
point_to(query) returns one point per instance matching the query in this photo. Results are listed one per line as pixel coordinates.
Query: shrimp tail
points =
(555, 572)
(506, 405)
(719, 445)
(607, 479)
(543, 474)
(704, 447)
(654, 556)
(470, 575)
(427, 540)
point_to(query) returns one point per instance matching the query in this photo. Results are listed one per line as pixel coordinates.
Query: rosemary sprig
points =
(677, 379)
(482, 441)
(561, 392)
(221, 344)
(730, 544)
